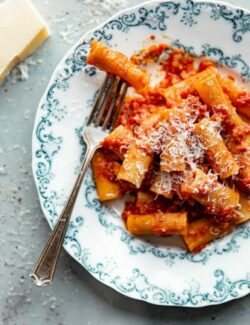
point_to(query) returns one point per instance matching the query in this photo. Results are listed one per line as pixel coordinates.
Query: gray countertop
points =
(75, 296)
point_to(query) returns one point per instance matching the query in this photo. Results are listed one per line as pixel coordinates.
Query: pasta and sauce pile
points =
(181, 148)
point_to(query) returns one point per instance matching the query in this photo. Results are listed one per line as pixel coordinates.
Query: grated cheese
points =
(174, 137)
(21, 71)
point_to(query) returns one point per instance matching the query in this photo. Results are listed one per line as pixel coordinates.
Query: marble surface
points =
(75, 296)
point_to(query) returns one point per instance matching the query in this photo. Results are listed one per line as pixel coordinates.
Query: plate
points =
(157, 271)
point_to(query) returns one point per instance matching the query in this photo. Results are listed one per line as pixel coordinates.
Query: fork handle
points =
(45, 267)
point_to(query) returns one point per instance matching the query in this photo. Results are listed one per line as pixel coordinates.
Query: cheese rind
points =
(22, 31)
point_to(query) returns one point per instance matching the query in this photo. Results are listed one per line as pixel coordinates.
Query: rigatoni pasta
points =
(135, 165)
(220, 157)
(158, 223)
(179, 148)
(119, 140)
(242, 213)
(161, 185)
(214, 196)
(211, 92)
(202, 231)
(239, 97)
(116, 63)
(172, 156)
(105, 169)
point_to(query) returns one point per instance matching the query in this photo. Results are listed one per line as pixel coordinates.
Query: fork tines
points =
(108, 103)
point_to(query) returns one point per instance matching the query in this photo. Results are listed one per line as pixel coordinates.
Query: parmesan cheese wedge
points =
(22, 31)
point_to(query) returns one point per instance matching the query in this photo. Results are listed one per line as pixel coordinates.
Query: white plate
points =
(160, 272)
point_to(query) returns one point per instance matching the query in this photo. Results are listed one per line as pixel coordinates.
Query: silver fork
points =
(100, 122)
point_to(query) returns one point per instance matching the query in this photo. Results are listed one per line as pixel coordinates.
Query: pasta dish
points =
(180, 147)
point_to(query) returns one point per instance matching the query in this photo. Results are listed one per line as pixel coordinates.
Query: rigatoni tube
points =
(211, 92)
(202, 231)
(242, 213)
(157, 223)
(135, 165)
(162, 185)
(173, 156)
(118, 140)
(118, 64)
(206, 190)
(219, 156)
(105, 177)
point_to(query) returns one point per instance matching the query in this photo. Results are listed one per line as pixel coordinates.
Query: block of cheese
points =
(22, 31)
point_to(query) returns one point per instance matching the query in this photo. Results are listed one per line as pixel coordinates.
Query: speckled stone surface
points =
(75, 297)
